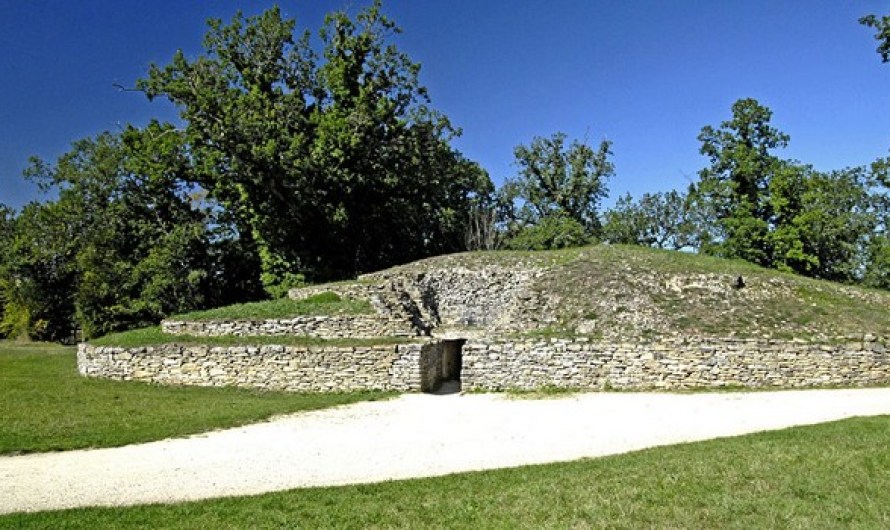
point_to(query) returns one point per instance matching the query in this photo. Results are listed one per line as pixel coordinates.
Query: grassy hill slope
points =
(619, 291)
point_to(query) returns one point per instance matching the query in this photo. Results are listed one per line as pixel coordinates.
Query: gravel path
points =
(412, 436)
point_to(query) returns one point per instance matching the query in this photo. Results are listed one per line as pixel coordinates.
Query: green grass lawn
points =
(45, 405)
(833, 475)
(320, 304)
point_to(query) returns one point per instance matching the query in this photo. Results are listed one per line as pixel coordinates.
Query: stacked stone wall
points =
(490, 297)
(461, 296)
(287, 368)
(499, 364)
(476, 298)
(320, 326)
(671, 364)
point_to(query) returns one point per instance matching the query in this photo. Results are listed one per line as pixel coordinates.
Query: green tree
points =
(138, 245)
(7, 215)
(736, 184)
(7, 218)
(823, 222)
(661, 220)
(552, 232)
(877, 271)
(38, 273)
(483, 231)
(877, 267)
(559, 180)
(882, 33)
(331, 163)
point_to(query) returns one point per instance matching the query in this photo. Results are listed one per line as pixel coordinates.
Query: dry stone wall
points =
(287, 368)
(461, 296)
(582, 363)
(485, 307)
(500, 364)
(478, 298)
(322, 326)
(391, 301)
(490, 297)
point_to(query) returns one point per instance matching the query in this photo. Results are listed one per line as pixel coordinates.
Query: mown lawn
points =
(320, 304)
(45, 405)
(835, 475)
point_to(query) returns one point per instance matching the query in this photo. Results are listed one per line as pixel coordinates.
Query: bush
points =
(552, 232)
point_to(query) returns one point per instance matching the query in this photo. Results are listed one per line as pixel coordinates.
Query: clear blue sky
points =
(645, 74)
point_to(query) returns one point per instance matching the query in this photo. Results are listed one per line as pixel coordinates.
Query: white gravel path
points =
(411, 436)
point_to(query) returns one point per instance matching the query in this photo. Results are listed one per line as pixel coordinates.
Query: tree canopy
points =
(661, 220)
(881, 26)
(780, 213)
(332, 163)
(125, 244)
(292, 162)
(736, 183)
(556, 180)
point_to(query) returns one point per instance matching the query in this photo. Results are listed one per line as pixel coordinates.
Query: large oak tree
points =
(332, 162)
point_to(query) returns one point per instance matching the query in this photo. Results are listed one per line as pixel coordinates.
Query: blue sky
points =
(647, 75)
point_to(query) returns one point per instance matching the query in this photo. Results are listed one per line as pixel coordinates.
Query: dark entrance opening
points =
(450, 367)
(451, 359)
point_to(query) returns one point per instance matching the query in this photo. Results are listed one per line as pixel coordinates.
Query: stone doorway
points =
(452, 359)
(443, 367)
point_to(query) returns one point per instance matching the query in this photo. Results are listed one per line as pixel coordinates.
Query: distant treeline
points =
(302, 159)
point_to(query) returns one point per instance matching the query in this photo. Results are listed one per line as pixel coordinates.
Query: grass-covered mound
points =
(615, 292)
(635, 291)
(46, 406)
(625, 292)
(517, 259)
(832, 475)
